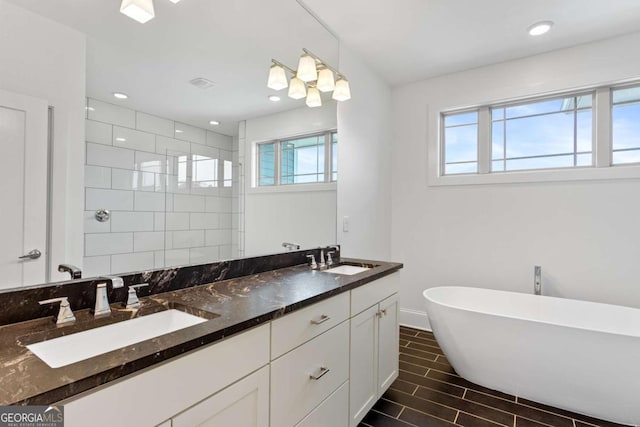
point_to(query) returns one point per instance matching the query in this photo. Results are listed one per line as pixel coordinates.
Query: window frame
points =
(629, 85)
(574, 110)
(602, 167)
(327, 184)
(443, 128)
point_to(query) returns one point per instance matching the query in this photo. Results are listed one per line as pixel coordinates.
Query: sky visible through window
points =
(301, 160)
(554, 133)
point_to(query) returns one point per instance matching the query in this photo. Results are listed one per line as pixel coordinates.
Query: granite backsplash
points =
(21, 304)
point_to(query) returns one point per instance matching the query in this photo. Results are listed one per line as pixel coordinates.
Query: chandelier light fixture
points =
(312, 77)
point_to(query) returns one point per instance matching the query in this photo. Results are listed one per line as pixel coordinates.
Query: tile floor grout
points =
(465, 410)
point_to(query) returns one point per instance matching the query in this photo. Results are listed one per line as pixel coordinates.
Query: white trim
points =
(541, 175)
(294, 188)
(414, 319)
(602, 127)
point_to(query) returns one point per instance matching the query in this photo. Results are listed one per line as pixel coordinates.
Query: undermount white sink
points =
(347, 269)
(83, 345)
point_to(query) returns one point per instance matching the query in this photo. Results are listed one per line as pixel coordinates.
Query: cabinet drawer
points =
(294, 393)
(300, 326)
(367, 295)
(334, 411)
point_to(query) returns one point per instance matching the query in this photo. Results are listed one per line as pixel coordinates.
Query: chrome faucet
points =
(132, 297)
(65, 315)
(290, 246)
(329, 259)
(537, 280)
(322, 264)
(74, 271)
(312, 262)
(102, 301)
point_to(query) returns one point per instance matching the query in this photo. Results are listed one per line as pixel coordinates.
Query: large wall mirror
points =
(197, 164)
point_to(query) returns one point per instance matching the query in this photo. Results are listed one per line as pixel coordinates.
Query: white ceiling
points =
(231, 42)
(409, 40)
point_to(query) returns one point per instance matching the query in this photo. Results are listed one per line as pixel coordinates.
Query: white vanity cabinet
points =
(314, 362)
(373, 345)
(323, 365)
(157, 394)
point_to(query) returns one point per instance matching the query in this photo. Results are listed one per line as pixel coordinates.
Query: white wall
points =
(163, 214)
(272, 217)
(364, 152)
(585, 235)
(44, 59)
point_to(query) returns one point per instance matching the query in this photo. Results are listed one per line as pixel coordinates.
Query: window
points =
(579, 135)
(461, 143)
(552, 133)
(625, 123)
(302, 160)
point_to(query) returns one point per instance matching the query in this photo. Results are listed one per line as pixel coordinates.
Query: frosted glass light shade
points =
(138, 10)
(326, 83)
(297, 89)
(342, 92)
(313, 98)
(277, 78)
(307, 69)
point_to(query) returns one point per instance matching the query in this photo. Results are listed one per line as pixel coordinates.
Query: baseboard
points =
(414, 319)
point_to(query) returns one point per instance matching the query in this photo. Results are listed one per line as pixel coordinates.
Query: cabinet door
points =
(333, 412)
(363, 379)
(243, 404)
(388, 343)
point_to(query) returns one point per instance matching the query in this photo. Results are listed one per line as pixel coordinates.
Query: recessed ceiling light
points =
(179, 131)
(90, 108)
(214, 122)
(121, 139)
(174, 1)
(120, 95)
(540, 28)
(138, 10)
(274, 98)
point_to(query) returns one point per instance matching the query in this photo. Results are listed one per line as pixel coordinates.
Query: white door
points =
(23, 189)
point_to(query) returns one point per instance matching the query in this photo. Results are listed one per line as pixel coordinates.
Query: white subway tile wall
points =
(162, 181)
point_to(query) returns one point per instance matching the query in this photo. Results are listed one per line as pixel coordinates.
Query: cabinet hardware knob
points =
(322, 319)
(322, 373)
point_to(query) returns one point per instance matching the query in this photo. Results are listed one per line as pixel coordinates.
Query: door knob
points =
(33, 254)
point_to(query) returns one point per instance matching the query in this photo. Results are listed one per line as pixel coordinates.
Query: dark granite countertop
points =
(232, 306)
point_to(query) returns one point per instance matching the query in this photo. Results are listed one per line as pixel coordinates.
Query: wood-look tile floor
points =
(429, 393)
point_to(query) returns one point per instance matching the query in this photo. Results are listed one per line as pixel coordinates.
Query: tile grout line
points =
(517, 401)
(401, 411)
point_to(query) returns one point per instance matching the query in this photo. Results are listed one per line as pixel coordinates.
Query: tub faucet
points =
(74, 271)
(102, 300)
(537, 280)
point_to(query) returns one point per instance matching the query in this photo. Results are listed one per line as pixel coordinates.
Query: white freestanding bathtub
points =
(576, 355)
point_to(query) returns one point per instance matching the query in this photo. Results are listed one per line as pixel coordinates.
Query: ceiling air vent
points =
(202, 83)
